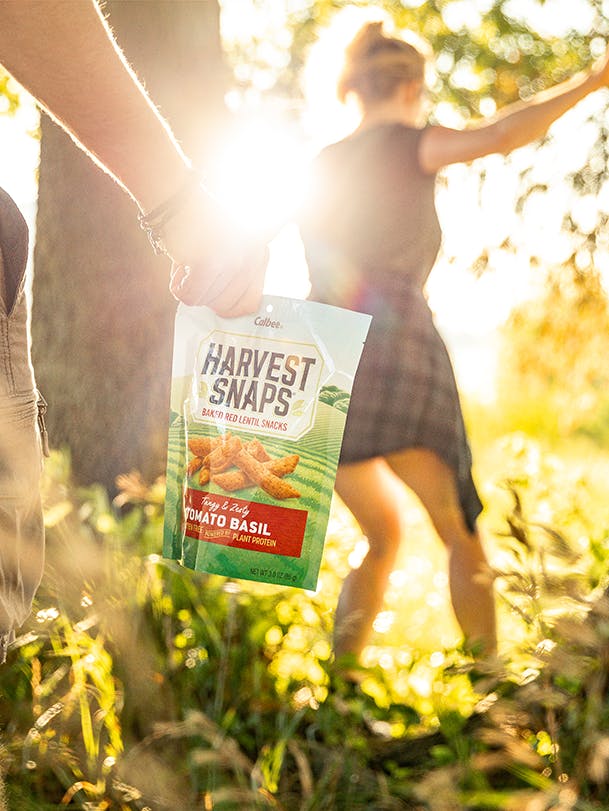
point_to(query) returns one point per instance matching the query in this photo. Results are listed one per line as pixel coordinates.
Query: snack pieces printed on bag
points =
(271, 484)
(221, 457)
(202, 446)
(257, 450)
(238, 480)
(195, 464)
(234, 465)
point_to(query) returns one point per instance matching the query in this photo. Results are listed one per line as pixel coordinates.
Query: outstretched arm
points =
(64, 54)
(517, 125)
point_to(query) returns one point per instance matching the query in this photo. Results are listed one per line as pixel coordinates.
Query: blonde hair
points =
(375, 64)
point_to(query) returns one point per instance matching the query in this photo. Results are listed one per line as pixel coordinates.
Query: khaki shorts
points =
(21, 523)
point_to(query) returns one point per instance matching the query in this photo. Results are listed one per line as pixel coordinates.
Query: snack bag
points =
(258, 410)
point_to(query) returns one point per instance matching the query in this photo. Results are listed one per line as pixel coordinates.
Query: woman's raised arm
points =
(516, 125)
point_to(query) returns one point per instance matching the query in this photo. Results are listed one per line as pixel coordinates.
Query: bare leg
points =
(369, 491)
(470, 577)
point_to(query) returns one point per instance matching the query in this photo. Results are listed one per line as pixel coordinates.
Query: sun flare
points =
(259, 173)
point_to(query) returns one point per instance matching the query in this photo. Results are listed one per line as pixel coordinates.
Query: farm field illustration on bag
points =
(258, 411)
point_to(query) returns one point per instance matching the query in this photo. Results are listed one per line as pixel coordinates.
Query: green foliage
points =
(553, 378)
(139, 684)
(486, 56)
(9, 96)
(501, 55)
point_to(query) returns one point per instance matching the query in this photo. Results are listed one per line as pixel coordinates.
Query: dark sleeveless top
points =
(371, 213)
(371, 236)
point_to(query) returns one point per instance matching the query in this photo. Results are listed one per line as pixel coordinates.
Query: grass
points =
(138, 685)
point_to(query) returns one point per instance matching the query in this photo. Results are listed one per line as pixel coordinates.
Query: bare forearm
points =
(517, 125)
(62, 53)
(521, 123)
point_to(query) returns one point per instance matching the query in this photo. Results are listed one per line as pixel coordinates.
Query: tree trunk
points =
(102, 314)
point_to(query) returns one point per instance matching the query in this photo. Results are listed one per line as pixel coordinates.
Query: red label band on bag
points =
(243, 524)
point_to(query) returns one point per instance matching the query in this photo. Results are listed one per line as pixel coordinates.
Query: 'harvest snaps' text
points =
(255, 380)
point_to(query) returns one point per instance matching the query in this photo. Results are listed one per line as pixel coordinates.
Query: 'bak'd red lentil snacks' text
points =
(258, 410)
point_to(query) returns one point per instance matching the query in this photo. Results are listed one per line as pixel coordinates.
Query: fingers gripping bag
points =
(258, 410)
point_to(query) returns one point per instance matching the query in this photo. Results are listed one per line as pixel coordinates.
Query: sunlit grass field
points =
(140, 685)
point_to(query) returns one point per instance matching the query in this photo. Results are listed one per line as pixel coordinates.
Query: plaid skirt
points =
(405, 394)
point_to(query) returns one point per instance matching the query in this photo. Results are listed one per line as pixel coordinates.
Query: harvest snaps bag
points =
(258, 410)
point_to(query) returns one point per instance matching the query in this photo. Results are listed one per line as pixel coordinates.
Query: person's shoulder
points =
(402, 144)
(404, 132)
(333, 148)
(386, 138)
(331, 155)
(392, 135)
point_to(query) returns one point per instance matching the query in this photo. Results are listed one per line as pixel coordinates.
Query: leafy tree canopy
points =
(487, 54)
(483, 48)
(9, 95)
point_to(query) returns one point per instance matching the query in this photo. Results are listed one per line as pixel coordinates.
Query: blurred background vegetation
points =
(137, 685)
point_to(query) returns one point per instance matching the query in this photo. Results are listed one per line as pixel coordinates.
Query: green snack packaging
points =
(258, 411)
